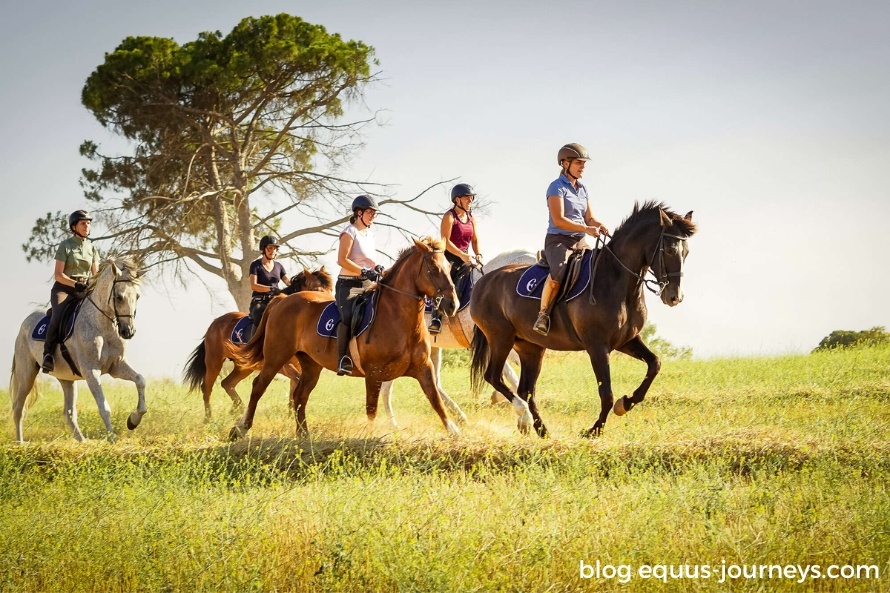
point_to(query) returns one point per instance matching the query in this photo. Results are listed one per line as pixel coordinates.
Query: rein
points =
(662, 279)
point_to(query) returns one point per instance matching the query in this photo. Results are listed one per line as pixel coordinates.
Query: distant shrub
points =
(852, 339)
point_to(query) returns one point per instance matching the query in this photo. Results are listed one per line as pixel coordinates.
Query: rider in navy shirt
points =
(265, 274)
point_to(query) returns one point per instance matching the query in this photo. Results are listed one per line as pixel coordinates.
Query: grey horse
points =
(97, 346)
(457, 333)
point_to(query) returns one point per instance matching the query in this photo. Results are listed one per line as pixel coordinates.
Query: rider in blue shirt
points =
(571, 218)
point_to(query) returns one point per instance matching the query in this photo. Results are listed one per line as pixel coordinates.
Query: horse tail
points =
(481, 356)
(195, 370)
(13, 389)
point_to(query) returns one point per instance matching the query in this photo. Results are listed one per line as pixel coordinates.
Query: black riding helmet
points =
(76, 217)
(364, 202)
(267, 241)
(461, 189)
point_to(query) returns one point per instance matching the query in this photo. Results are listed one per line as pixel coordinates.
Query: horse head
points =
(672, 250)
(320, 281)
(117, 290)
(427, 271)
(654, 238)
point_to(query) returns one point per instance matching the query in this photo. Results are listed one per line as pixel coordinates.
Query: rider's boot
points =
(542, 324)
(344, 364)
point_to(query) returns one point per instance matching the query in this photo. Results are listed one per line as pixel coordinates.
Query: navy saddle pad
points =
(240, 329)
(531, 284)
(39, 332)
(330, 317)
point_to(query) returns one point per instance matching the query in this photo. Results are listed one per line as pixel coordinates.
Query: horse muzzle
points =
(672, 295)
(126, 331)
(449, 304)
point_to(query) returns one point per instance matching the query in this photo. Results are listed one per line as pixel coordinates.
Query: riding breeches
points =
(60, 297)
(557, 249)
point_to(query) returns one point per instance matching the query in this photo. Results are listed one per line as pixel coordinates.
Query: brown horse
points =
(610, 318)
(206, 361)
(395, 345)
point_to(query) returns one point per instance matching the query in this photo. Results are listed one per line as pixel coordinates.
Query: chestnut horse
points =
(395, 345)
(206, 361)
(609, 318)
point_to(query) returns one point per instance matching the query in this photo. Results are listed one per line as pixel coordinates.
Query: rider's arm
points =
(445, 229)
(475, 241)
(343, 255)
(61, 277)
(557, 213)
(591, 220)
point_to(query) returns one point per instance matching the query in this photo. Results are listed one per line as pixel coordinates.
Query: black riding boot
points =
(344, 365)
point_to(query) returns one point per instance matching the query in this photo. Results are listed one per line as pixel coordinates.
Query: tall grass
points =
(750, 461)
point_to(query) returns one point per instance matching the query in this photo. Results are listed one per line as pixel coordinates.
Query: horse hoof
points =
(542, 431)
(618, 409)
(111, 438)
(133, 420)
(236, 433)
(592, 433)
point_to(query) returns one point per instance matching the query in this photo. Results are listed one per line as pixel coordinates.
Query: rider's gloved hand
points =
(372, 275)
(80, 286)
(379, 269)
(274, 290)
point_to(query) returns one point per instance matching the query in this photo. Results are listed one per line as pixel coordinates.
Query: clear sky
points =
(769, 119)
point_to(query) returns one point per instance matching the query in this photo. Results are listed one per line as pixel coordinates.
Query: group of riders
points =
(570, 221)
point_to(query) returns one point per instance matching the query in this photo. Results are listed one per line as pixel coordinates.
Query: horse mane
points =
(127, 265)
(404, 254)
(643, 212)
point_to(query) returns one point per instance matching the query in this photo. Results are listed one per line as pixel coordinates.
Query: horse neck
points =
(634, 250)
(403, 280)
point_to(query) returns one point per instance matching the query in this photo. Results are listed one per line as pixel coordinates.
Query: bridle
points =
(662, 277)
(115, 321)
(428, 267)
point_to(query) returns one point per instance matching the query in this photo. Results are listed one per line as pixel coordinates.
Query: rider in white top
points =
(357, 257)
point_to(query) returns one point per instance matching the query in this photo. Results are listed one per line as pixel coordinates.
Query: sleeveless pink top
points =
(461, 232)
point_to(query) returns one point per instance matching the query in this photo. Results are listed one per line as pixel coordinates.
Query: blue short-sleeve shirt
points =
(574, 204)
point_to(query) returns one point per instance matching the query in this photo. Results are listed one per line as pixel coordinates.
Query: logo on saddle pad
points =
(531, 283)
(330, 317)
(70, 316)
(240, 330)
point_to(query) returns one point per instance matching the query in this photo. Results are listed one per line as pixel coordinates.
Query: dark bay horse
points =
(652, 239)
(206, 361)
(395, 345)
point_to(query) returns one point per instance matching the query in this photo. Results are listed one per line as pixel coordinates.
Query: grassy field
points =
(728, 466)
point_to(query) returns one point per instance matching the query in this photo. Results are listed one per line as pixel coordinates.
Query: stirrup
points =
(345, 366)
(48, 365)
(542, 325)
(435, 326)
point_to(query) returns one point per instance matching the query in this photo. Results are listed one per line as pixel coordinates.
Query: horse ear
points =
(306, 271)
(665, 219)
(115, 270)
(688, 216)
(323, 270)
(421, 245)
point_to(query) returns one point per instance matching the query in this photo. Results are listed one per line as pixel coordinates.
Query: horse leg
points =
(531, 357)
(291, 372)
(308, 379)
(510, 378)
(637, 349)
(24, 373)
(499, 351)
(599, 359)
(386, 396)
(213, 363)
(436, 359)
(123, 370)
(69, 391)
(428, 384)
(237, 375)
(92, 378)
(372, 393)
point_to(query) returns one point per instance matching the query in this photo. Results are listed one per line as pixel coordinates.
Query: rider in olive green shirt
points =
(76, 261)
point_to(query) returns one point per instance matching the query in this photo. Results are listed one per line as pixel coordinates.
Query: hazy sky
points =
(768, 119)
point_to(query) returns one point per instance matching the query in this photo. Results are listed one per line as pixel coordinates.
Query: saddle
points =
(71, 307)
(575, 281)
(363, 312)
